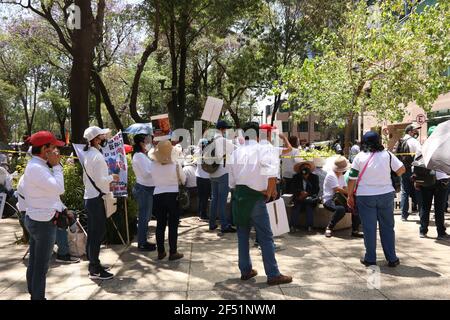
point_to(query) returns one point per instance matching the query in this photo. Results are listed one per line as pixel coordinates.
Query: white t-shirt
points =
(191, 179)
(287, 164)
(142, 166)
(376, 179)
(331, 182)
(165, 177)
(223, 147)
(413, 144)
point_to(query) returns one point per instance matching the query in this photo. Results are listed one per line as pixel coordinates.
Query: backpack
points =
(423, 176)
(403, 147)
(210, 163)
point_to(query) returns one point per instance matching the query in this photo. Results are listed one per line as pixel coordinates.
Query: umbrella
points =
(139, 128)
(436, 149)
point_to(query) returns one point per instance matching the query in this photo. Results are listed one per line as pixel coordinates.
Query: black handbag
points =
(395, 179)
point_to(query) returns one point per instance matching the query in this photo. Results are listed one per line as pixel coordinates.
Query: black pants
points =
(338, 214)
(287, 185)
(204, 194)
(96, 221)
(439, 192)
(166, 209)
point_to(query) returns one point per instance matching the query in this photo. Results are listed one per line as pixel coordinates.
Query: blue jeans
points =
(42, 240)
(62, 241)
(260, 220)
(407, 190)
(301, 206)
(144, 197)
(220, 189)
(96, 220)
(204, 193)
(373, 209)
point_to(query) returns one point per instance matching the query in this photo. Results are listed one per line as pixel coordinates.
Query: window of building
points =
(303, 126)
(285, 126)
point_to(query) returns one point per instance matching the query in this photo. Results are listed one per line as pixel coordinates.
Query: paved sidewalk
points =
(322, 268)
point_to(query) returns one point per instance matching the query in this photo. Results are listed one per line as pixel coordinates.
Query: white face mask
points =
(148, 146)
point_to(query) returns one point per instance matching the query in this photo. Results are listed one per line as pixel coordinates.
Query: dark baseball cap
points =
(222, 124)
(412, 126)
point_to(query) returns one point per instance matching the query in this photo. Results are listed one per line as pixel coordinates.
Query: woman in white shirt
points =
(371, 174)
(97, 182)
(335, 183)
(167, 175)
(143, 189)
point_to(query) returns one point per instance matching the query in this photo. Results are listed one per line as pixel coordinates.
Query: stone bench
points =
(322, 217)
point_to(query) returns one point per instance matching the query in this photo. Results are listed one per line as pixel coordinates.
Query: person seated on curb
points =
(305, 187)
(335, 184)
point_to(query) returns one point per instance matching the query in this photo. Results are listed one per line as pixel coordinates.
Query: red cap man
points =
(44, 145)
(267, 128)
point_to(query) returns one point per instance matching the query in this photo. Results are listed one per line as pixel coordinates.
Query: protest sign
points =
(278, 217)
(115, 158)
(213, 108)
(161, 127)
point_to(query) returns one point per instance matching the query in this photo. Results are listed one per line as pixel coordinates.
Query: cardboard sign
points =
(161, 127)
(115, 158)
(278, 217)
(213, 108)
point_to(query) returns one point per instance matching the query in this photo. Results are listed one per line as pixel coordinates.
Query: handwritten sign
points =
(115, 158)
(212, 110)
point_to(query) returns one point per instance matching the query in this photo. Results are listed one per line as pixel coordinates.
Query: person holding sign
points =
(253, 176)
(96, 178)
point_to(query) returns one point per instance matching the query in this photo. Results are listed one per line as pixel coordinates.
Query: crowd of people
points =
(250, 168)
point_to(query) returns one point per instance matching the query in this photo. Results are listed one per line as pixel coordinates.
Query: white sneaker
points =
(328, 233)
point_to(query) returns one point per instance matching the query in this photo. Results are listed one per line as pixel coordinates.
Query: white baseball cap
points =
(93, 132)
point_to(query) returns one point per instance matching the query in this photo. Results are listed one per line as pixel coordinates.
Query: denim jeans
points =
(439, 192)
(220, 189)
(62, 241)
(260, 220)
(96, 221)
(167, 210)
(373, 209)
(407, 190)
(42, 241)
(299, 206)
(339, 213)
(204, 193)
(144, 197)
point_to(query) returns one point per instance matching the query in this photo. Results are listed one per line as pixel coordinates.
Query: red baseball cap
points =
(44, 137)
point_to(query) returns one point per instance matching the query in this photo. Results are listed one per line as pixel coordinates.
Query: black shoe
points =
(105, 267)
(404, 219)
(357, 234)
(422, 235)
(230, 229)
(366, 263)
(393, 264)
(443, 236)
(67, 259)
(213, 228)
(101, 275)
(147, 247)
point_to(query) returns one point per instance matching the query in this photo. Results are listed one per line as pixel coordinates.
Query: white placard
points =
(212, 110)
(278, 217)
(2, 203)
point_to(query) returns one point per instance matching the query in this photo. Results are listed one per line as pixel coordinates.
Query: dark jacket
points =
(312, 185)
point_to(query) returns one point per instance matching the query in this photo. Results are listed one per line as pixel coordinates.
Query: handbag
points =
(108, 198)
(183, 193)
(396, 182)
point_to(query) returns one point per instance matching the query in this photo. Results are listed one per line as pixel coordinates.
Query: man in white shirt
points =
(43, 184)
(97, 182)
(253, 175)
(408, 144)
(220, 179)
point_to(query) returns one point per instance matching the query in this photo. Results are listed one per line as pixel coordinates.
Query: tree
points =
(373, 63)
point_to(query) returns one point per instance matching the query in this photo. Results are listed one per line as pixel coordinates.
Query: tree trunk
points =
(3, 124)
(107, 100)
(172, 106)
(83, 52)
(347, 134)
(98, 106)
(182, 81)
(276, 106)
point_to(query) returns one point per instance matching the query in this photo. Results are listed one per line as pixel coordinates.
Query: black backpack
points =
(210, 163)
(403, 147)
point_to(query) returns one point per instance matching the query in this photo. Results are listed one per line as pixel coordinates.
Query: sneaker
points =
(67, 259)
(422, 235)
(328, 233)
(444, 236)
(101, 275)
(213, 228)
(404, 219)
(249, 275)
(230, 229)
(357, 234)
(176, 256)
(393, 264)
(105, 267)
(292, 230)
(161, 255)
(281, 279)
(367, 263)
(147, 247)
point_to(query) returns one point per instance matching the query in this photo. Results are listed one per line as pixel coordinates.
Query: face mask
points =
(148, 146)
(306, 171)
(103, 143)
(416, 135)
